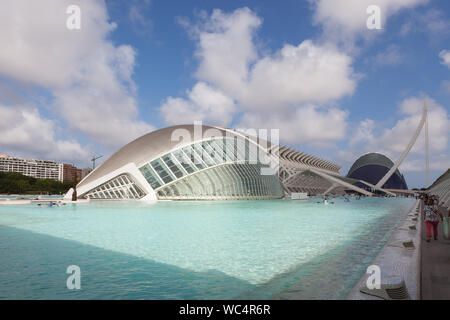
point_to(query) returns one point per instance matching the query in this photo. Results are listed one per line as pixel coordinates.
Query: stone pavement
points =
(435, 265)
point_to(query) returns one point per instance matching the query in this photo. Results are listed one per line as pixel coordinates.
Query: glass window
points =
(150, 176)
(195, 158)
(184, 161)
(252, 152)
(240, 146)
(162, 170)
(221, 150)
(208, 153)
(230, 150)
(203, 154)
(172, 166)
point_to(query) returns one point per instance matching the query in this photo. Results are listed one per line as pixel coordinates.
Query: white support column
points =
(427, 151)
(408, 148)
(342, 183)
(375, 188)
(333, 186)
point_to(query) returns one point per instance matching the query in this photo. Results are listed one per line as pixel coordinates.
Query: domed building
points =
(179, 163)
(372, 167)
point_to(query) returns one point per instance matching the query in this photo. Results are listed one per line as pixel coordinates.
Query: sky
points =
(310, 68)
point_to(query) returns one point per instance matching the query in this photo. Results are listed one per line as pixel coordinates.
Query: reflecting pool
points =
(194, 250)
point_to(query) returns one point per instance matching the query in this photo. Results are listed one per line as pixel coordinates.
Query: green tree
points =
(16, 183)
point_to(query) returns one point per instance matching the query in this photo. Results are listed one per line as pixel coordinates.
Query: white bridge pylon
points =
(407, 150)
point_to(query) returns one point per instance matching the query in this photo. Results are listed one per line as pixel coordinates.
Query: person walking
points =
(431, 217)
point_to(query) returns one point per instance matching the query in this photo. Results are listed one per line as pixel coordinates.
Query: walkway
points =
(435, 266)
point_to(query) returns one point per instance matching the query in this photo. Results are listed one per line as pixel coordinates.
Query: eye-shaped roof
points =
(154, 144)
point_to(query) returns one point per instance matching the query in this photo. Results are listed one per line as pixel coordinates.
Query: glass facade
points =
(120, 188)
(227, 182)
(218, 168)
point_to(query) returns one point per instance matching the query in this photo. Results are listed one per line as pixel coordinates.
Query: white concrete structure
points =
(408, 148)
(301, 172)
(186, 162)
(178, 163)
(40, 169)
(399, 258)
(441, 189)
(299, 196)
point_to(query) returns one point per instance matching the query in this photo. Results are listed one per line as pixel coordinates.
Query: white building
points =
(40, 169)
(177, 163)
(441, 189)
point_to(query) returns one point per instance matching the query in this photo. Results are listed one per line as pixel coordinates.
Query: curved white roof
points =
(146, 148)
(162, 141)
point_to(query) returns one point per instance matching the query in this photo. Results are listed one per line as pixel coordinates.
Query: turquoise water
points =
(193, 250)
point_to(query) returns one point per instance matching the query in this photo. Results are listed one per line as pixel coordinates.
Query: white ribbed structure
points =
(441, 188)
(301, 172)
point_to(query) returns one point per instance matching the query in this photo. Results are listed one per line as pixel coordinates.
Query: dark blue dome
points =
(372, 167)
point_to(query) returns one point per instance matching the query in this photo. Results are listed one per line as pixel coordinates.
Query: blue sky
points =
(310, 68)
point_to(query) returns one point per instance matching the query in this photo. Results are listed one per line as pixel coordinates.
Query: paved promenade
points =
(435, 265)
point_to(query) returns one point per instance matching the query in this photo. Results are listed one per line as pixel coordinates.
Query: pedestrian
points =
(431, 217)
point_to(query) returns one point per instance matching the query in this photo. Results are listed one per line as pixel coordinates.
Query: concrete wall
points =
(398, 261)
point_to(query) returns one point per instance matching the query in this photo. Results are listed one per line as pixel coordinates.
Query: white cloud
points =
(373, 136)
(226, 48)
(281, 88)
(397, 138)
(275, 90)
(295, 74)
(305, 125)
(204, 103)
(445, 85)
(137, 15)
(89, 77)
(391, 56)
(432, 21)
(23, 131)
(346, 19)
(108, 119)
(393, 141)
(445, 56)
(364, 133)
(299, 74)
(347, 157)
(436, 21)
(437, 163)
